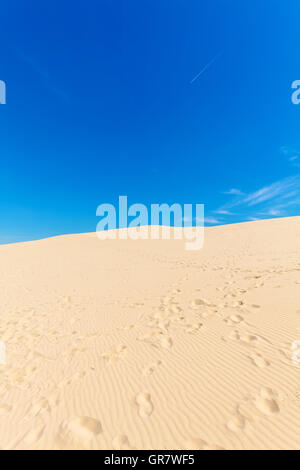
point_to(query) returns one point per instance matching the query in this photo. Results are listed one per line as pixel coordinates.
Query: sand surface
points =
(141, 344)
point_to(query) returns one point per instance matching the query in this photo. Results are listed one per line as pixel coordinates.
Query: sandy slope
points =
(141, 344)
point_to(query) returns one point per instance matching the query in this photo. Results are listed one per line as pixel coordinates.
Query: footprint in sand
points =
(145, 405)
(259, 361)
(237, 304)
(266, 403)
(175, 309)
(234, 320)
(197, 303)
(33, 436)
(163, 325)
(236, 423)
(70, 353)
(127, 327)
(194, 328)
(245, 338)
(161, 315)
(199, 444)
(166, 342)
(167, 300)
(179, 321)
(149, 337)
(121, 442)
(41, 406)
(70, 380)
(157, 339)
(5, 409)
(176, 291)
(19, 378)
(136, 304)
(151, 368)
(78, 432)
(114, 354)
(66, 300)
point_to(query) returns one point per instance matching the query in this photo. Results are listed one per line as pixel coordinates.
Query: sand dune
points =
(143, 345)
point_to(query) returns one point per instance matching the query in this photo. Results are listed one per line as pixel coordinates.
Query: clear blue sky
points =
(104, 99)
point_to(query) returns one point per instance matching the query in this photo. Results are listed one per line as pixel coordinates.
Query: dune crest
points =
(143, 345)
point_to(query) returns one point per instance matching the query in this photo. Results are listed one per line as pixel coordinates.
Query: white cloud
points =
(281, 198)
(292, 155)
(234, 192)
(211, 220)
(274, 212)
(272, 191)
(223, 212)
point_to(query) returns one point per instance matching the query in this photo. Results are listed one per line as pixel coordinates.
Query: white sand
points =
(141, 344)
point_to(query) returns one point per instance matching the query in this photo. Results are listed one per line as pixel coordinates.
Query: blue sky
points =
(162, 101)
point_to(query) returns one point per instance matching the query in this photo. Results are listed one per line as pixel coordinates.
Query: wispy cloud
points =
(212, 221)
(292, 155)
(234, 192)
(281, 198)
(270, 192)
(223, 212)
(275, 212)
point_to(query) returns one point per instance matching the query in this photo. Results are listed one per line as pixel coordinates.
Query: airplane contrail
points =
(209, 64)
